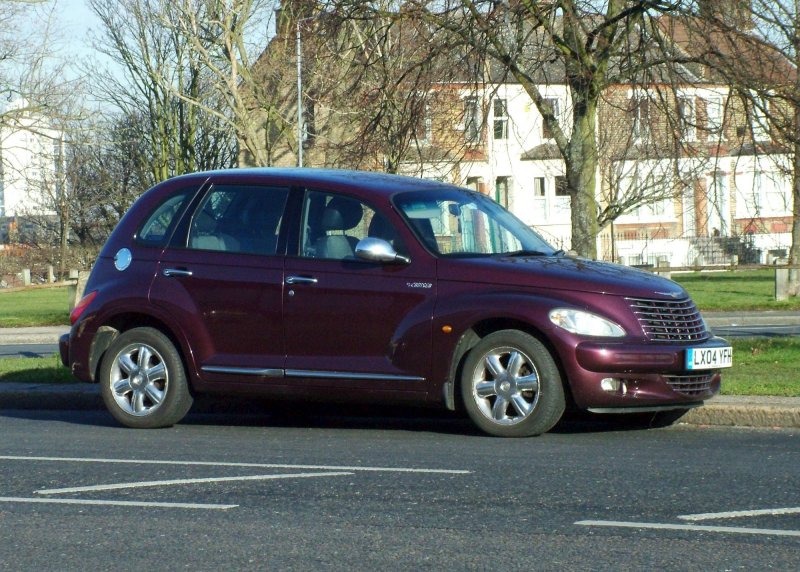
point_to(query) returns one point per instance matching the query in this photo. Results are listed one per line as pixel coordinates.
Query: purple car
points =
(341, 285)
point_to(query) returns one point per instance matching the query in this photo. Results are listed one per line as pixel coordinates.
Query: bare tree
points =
(248, 82)
(388, 72)
(164, 83)
(755, 46)
(577, 41)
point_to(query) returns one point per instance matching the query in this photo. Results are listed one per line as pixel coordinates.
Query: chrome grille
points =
(690, 385)
(669, 320)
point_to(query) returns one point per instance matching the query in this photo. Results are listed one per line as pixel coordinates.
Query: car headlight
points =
(585, 323)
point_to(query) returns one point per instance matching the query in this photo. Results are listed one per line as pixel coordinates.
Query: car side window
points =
(333, 225)
(240, 219)
(158, 226)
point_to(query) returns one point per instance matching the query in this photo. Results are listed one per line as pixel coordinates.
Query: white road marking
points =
(119, 503)
(250, 465)
(740, 513)
(688, 527)
(143, 484)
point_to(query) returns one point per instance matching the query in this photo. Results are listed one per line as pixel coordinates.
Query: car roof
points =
(365, 181)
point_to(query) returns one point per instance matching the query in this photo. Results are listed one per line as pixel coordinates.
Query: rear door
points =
(223, 282)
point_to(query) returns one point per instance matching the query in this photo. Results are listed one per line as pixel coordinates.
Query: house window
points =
(714, 116)
(562, 189)
(501, 186)
(654, 209)
(717, 205)
(472, 120)
(547, 133)
(500, 119)
(474, 183)
(760, 123)
(539, 188)
(424, 124)
(640, 118)
(687, 118)
(768, 195)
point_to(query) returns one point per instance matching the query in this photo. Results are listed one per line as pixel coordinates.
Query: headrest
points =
(341, 214)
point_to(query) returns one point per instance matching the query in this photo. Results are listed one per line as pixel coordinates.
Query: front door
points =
(349, 322)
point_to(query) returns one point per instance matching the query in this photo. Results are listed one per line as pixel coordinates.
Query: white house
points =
(31, 163)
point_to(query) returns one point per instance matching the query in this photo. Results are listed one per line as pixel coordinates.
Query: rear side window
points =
(159, 225)
(242, 219)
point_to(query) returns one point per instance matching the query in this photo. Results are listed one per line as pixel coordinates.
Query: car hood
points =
(563, 273)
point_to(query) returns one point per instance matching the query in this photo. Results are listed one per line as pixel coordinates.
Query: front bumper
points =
(615, 376)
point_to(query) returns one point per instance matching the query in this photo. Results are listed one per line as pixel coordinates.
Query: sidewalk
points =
(36, 335)
(722, 410)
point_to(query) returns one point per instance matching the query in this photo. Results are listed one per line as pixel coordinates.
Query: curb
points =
(34, 335)
(729, 411)
(721, 411)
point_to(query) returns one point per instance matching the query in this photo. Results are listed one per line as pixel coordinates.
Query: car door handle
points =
(172, 272)
(300, 280)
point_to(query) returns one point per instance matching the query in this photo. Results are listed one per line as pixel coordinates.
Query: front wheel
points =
(511, 385)
(142, 380)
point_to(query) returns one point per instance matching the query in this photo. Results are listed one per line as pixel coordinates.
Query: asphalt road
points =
(297, 490)
(28, 350)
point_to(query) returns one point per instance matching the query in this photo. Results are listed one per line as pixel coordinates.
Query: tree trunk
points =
(794, 251)
(581, 168)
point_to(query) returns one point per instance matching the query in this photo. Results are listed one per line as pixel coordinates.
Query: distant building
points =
(31, 168)
(696, 171)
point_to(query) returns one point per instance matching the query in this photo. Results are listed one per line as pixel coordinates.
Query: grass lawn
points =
(761, 366)
(732, 291)
(764, 366)
(34, 307)
(34, 370)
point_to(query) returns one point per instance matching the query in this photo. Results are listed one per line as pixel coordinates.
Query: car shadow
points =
(249, 412)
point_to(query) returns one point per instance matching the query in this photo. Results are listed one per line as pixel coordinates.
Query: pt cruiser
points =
(342, 285)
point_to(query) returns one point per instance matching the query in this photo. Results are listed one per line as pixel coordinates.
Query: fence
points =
(649, 250)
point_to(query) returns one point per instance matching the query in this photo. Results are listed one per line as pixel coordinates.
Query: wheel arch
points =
(117, 324)
(475, 334)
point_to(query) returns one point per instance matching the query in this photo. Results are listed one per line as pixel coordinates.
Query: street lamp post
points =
(299, 94)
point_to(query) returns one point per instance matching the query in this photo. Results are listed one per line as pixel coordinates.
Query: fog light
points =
(613, 385)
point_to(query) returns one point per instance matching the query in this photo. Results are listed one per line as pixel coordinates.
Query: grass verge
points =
(764, 366)
(761, 366)
(734, 291)
(34, 307)
(35, 370)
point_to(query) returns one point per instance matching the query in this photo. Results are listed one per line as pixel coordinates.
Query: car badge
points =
(670, 294)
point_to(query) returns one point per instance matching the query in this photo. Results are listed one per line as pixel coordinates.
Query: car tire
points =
(511, 385)
(143, 381)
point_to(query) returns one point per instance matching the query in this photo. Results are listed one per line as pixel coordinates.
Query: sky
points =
(77, 19)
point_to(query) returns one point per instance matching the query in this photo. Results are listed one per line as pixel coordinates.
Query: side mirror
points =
(378, 250)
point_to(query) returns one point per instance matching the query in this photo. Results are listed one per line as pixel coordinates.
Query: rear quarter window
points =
(158, 227)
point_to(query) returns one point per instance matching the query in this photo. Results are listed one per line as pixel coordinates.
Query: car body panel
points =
(325, 321)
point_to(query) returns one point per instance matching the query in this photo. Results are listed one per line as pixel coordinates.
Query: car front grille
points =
(669, 320)
(691, 385)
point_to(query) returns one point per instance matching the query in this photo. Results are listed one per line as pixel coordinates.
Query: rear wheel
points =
(142, 380)
(511, 385)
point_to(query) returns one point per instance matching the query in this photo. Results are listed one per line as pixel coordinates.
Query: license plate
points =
(709, 358)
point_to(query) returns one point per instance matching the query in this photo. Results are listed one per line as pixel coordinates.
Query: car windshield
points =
(457, 222)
